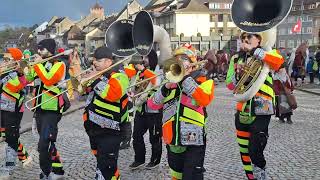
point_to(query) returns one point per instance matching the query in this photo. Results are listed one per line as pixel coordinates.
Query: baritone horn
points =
(259, 17)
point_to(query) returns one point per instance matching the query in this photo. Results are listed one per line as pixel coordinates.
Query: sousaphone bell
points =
(259, 17)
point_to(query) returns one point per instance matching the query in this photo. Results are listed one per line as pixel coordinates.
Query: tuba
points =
(259, 17)
(128, 38)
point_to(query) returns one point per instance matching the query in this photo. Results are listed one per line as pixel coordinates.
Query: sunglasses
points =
(184, 58)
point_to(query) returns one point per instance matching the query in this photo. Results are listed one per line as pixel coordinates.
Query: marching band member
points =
(11, 106)
(184, 118)
(253, 117)
(105, 112)
(147, 119)
(27, 55)
(238, 57)
(48, 115)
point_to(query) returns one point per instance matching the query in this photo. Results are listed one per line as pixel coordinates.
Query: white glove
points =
(259, 53)
(34, 127)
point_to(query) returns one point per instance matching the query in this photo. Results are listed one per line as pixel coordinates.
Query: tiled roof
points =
(107, 22)
(59, 20)
(157, 3)
(193, 6)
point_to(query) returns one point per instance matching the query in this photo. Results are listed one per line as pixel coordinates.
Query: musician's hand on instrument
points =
(20, 70)
(37, 58)
(130, 94)
(91, 73)
(259, 53)
(170, 85)
(240, 69)
(140, 67)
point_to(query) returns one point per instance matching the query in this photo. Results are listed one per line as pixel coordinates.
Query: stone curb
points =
(308, 91)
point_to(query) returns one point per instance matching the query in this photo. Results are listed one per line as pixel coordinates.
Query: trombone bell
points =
(173, 70)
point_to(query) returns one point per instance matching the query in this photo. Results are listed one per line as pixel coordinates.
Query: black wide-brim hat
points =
(259, 15)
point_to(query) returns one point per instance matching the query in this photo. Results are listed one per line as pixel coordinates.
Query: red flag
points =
(297, 27)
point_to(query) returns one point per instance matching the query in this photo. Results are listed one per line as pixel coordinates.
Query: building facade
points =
(205, 25)
(220, 18)
(308, 11)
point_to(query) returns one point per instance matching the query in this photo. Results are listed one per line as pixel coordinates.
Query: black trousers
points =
(107, 148)
(258, 131)
(47, 126)
(311, 77)
(126, 132)
(189, 164)
(11, 122)
(142, 123)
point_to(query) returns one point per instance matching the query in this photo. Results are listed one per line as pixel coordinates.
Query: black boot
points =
(125, 145)
(281, 119)
(289, 121)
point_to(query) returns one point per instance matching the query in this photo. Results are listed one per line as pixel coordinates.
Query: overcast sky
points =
(30, 12)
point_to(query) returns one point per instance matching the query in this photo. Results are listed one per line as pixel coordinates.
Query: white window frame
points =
(290, 43)
(309, 30)
(282, 43)
(298, 42)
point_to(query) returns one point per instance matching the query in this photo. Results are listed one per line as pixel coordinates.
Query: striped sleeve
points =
(113, 89)
(16, 84)
(56, 73)
(201, 91)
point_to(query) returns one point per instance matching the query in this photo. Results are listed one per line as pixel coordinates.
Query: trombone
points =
(24, 64)
(77, 85)
(29, 62)
(54, 87)
(174, 72)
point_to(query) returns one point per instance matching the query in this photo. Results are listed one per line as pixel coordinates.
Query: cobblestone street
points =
(293, 151)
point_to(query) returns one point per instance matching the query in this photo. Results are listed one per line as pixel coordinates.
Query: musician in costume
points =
(26, 56)
(255, 101)
(11, 106)
(147, 119)
(106, 110)
(48, 114)
(184, 117)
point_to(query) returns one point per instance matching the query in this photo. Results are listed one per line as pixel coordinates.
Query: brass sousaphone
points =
(259, 17)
